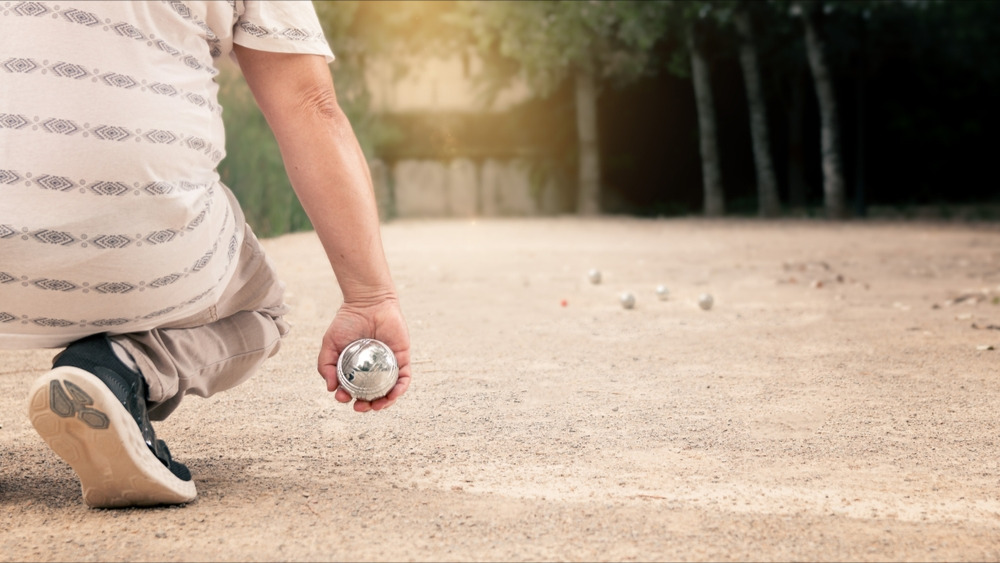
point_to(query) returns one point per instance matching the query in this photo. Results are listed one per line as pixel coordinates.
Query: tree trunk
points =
(860, 202)
(768, 203)
(711, 172)
(796, 152)
(833, 171)
(589, 197)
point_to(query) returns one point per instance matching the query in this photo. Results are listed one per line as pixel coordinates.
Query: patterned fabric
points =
(112, 216)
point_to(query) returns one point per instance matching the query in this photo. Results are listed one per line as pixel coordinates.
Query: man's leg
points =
(219, 348)
(91, 410)
(94, 407)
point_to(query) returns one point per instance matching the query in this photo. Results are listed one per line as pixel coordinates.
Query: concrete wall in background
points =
(463, 188)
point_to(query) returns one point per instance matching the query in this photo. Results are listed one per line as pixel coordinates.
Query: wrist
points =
(368, 296)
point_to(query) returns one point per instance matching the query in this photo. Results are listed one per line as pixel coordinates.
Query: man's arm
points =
(330, 176)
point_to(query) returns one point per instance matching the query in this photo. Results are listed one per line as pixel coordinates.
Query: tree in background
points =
(785, 77)
(391, 32)
(915, 113)
(688, 23)
(851, 40)
(708, 142)
(548, 43)
(797, 187)
(767, 186)
(812, 15)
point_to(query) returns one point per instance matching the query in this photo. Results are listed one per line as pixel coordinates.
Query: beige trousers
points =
(220, 347)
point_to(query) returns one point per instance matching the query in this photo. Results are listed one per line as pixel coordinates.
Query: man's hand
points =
(381, 320)
(330, 176)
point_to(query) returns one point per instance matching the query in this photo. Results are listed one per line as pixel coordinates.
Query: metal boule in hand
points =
(367, 369)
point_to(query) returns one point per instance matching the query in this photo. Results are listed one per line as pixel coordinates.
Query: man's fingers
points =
(397, 391)
(326, 362)
(329, 373)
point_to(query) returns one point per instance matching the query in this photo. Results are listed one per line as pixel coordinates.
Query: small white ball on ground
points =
(594, 276)
(627, 300)
(662, 292)
(705, 301)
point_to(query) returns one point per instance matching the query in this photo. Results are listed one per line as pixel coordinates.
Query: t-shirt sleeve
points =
(281, 26)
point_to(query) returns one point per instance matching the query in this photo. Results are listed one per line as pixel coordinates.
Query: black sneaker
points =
(91, 410)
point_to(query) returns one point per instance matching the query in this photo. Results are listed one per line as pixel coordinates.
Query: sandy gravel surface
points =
(834, 404)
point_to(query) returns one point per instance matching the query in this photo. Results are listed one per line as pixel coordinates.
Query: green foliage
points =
(545, 42)
(938, 51)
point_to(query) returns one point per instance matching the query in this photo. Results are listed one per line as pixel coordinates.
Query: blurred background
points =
(834, 108)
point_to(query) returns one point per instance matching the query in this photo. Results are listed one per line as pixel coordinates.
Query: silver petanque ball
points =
(705, 301)
(367, 369)
(594, 276)
(662, 292)
(627, 300)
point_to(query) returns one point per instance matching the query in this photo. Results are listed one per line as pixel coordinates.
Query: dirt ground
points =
(838, 402)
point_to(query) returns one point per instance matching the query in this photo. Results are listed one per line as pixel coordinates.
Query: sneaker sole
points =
(86, 425)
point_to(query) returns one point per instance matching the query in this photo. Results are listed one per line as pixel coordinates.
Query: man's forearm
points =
(325, 165)
(330, 176)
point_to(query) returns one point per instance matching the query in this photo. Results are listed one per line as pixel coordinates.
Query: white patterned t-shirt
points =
(112, 216)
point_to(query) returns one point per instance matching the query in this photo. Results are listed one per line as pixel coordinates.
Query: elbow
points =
(321, 102)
